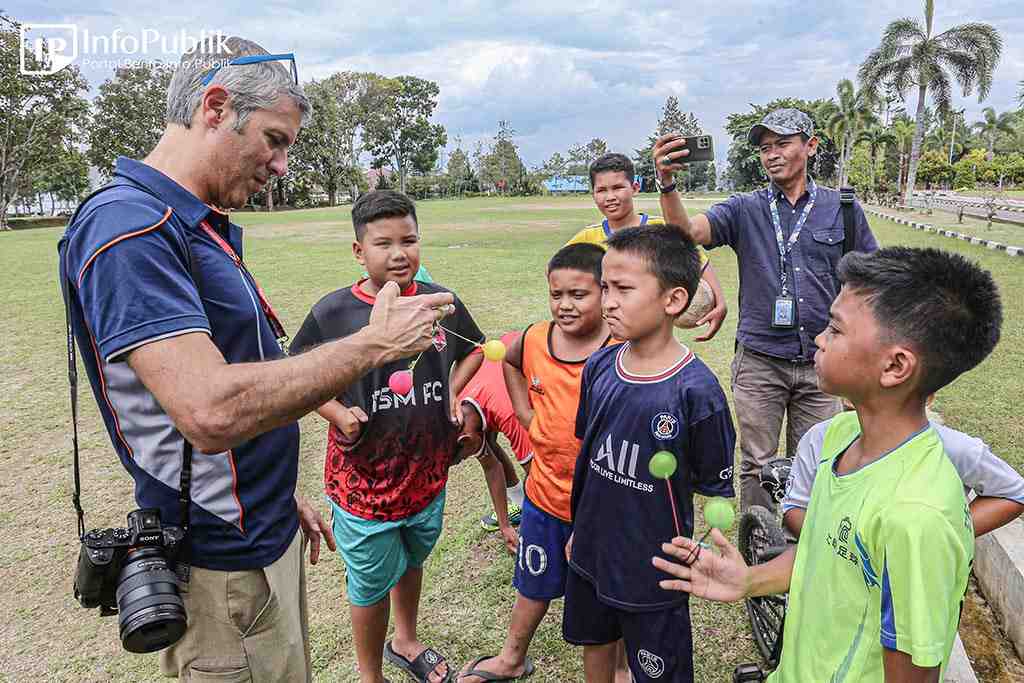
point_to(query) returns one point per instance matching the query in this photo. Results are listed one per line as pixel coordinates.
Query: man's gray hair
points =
(251, 86)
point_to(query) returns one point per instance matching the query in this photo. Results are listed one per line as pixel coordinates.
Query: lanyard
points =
(268, 310)
(786, 247)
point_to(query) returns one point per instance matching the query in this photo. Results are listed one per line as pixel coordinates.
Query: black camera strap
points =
(184, 489)
(76, 497)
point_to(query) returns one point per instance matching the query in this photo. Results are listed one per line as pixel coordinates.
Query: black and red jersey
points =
(400, 461)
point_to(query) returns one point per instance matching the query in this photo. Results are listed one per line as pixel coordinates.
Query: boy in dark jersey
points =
(647, 395)
(542, 373)
(388, 455)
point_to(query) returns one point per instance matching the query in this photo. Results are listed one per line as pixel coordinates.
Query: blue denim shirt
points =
(744, 223)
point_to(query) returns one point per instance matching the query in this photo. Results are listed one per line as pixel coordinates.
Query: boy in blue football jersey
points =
(647, 395)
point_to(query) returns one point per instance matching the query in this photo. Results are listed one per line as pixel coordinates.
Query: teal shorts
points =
(377, 554)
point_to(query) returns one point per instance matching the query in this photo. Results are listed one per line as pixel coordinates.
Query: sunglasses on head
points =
(253, 59)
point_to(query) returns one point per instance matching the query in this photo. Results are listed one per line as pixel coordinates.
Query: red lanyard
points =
(268, 310)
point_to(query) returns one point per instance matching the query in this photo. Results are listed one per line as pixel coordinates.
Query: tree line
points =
(370, 128)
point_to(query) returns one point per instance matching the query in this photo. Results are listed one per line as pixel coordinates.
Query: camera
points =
(130, 572)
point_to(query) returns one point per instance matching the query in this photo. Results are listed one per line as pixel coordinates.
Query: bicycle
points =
(761, 538)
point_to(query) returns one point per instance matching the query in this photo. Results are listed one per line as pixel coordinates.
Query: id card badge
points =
(784, 313)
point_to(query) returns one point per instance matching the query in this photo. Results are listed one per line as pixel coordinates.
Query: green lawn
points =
(492, 252)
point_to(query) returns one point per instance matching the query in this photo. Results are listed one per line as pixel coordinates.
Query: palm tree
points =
(853, 111)
(910, 54)
(992, 125)
(877, 138)
(903, 130)
(1020, 95)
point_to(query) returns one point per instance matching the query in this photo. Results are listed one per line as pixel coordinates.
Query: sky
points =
(563, 73)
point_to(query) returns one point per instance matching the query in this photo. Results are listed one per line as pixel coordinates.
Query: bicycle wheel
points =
(760, 539)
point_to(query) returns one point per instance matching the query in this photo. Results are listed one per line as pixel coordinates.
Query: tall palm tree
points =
(1020, 95)
(854, 110)
(903, 130)
(910, 54)
(877, 138)
(992, 125)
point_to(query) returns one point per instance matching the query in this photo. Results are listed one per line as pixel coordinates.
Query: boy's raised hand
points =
(720, 577)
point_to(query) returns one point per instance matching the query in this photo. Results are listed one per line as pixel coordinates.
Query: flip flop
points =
(528, 670)
(418, 669)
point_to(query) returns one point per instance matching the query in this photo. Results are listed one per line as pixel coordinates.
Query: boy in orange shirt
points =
(542, 372)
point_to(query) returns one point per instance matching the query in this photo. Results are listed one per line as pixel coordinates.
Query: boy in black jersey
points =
(388, 455)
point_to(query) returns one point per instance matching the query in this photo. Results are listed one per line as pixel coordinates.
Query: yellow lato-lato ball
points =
(494, 350)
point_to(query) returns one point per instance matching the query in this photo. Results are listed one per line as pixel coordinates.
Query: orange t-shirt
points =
(554, 396)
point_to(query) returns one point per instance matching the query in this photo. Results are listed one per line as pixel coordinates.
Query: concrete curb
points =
(959, 669)
(999, 567)
(927, 227)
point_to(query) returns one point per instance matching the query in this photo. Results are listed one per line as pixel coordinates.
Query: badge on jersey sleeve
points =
(665, 426)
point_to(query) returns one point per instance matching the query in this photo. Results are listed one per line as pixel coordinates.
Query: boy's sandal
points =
(418, 669)
(528, 669)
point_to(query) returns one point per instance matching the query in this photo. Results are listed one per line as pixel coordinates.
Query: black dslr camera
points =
(130, 572)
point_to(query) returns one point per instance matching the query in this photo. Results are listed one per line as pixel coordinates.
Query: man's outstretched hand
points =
(406, 323)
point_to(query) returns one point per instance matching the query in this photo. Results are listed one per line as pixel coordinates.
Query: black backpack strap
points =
(846, 197)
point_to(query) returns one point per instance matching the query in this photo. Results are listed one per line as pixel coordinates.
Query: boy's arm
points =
(899, 668)
(464, 371)
(988, 513)
(716, 316)
(495, 476)
(801, 479)
(715, 439)
(466, 361)
(999, 487)
(722, 576)
(516, 383)
(349, 421)
(461, 374)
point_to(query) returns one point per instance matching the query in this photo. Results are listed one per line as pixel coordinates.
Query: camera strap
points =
(184, 488)
(76, 497)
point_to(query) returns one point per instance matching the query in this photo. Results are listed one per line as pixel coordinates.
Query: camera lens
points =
(151, 613)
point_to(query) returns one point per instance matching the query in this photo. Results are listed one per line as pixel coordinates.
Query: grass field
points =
(492, 252)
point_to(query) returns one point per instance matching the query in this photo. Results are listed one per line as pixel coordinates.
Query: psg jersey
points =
(621, 513)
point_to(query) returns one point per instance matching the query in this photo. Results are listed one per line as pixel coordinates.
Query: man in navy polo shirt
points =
(788, 239)
(180, 343)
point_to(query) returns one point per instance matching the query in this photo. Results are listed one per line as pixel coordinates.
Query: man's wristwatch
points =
(664, 189)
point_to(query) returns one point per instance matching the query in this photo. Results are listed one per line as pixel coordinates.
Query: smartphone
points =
(702, 148)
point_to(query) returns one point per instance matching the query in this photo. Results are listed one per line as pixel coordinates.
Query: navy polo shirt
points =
(744, 222)
(140, 268)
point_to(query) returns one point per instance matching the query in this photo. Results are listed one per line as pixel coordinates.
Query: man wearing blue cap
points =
(788, 238)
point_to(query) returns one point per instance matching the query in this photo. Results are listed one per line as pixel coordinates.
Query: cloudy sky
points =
(567, 72)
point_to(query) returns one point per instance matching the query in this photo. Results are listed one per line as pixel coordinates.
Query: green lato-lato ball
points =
(718, 513)
(662, 465)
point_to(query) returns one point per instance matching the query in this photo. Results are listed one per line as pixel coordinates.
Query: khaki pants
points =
(764, 390)
(245, 626)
